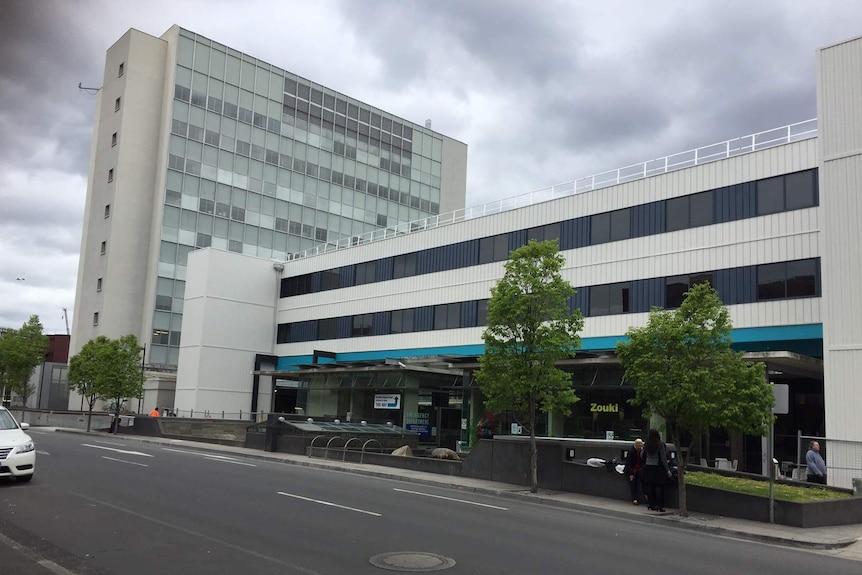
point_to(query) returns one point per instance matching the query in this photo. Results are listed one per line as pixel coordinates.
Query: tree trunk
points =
(117, 416)
(534, 452)
(89, 418)
(683, 506)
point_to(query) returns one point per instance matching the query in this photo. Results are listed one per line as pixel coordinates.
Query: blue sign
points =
(422, 429)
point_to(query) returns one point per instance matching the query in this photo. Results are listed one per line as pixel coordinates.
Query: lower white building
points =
(390, 329)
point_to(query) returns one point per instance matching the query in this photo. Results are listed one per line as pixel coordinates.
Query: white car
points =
(17, 452)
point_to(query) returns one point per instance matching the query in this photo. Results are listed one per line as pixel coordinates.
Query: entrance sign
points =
(387, 401)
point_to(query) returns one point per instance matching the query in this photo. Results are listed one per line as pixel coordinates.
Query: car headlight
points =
(25, 447)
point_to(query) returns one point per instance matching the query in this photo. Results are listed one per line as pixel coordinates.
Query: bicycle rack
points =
(362, 455)
(328, 443)
(311, 446)
(346, 445)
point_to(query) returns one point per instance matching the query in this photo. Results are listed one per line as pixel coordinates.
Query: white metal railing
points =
(705, 154)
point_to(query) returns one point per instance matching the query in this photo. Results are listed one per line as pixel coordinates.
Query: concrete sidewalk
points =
(843, 541)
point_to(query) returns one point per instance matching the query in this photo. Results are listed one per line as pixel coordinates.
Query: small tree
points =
(21, 352)
(683, 368)
(106, 369)
(530, 327)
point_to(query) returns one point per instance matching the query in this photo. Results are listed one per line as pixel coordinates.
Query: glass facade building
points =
(260, 161)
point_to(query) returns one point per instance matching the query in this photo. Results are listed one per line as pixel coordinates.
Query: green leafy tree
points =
(530, 327)
(683, 368)
(21, 352)
(107, 369)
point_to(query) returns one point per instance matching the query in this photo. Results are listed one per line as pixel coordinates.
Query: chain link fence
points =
(843, 460)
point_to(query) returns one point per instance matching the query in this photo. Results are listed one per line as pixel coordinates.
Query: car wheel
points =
(24, 478)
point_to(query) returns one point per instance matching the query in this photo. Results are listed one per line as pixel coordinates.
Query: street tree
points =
(683, 369)
(529, 328)
(107, 369)
(21, 352)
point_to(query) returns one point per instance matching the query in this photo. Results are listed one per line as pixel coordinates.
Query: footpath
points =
(842, 541)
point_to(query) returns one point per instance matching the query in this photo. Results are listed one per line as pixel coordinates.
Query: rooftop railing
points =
(703, 155)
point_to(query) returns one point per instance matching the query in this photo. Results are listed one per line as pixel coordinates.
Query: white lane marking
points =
(123, 461)
(123, 451)
(222, 460)
(36, 432)
(109, 443)
(180, 451)
(451, 499)
(41, 452)
(330, 504)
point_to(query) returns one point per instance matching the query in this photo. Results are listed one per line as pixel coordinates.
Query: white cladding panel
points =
(228, 318)
(839, 107)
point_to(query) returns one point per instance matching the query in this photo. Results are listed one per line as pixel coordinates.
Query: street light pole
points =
(143, 380)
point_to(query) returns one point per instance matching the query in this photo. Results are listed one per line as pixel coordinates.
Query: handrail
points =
(743, 145)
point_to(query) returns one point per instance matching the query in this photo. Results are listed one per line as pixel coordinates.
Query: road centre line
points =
(450, 499)
(123, 451)
(330, 504)
(124, 461)
(199, 454)
(223, 460)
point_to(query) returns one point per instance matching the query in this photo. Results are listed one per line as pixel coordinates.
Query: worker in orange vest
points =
(154, 412)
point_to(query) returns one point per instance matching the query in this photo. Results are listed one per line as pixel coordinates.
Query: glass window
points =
(676, 214)
(482, 312)
(802, 278)
(401, 321)
(675, 289)
(609, 299)
(447, 316)
(362, 325)
(404, 266)
(799, 190)
(770, 196)
(329, 279)
(600, 228)
(702, 209)
(771, 281)
(599, 300)
(365, 273)
(327, 328)
(494, 249)
(621, 225)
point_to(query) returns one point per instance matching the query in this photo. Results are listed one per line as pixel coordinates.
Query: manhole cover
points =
(412, 561)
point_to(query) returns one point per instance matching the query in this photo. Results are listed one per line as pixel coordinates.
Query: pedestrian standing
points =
(656, 472)
(154, 412)
(634, 468)
(816, 467)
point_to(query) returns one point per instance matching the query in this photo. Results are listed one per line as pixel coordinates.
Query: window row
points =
(428, 318)
(783, 280)
(750, 284)
(742, 201)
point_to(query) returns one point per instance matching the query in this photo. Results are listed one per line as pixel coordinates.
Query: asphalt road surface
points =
(100, 504)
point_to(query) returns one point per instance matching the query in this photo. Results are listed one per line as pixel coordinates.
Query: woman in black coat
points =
(656, 472)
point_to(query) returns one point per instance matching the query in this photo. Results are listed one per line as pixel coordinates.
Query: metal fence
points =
(843, 459)
(213, 414)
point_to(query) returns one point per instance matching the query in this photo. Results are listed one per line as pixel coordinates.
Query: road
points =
(100, 504)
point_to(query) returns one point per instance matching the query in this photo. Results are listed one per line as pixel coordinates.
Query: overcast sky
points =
(542, 92)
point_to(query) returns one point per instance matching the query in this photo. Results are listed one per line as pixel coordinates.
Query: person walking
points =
(634, 469)
(656, 472)
(816, 467)
(154, 412)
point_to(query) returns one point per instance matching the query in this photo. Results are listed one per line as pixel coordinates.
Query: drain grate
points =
(412, 561)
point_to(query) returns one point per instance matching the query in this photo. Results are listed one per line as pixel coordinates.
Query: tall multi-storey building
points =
(196, 145)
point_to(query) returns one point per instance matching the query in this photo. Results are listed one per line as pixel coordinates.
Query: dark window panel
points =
(771, 281)
(675, 288)
(600, 228)
(770, 196)
(621, 224)
(802, 278)
(702, 208)
(676, 214)
(799, 190)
